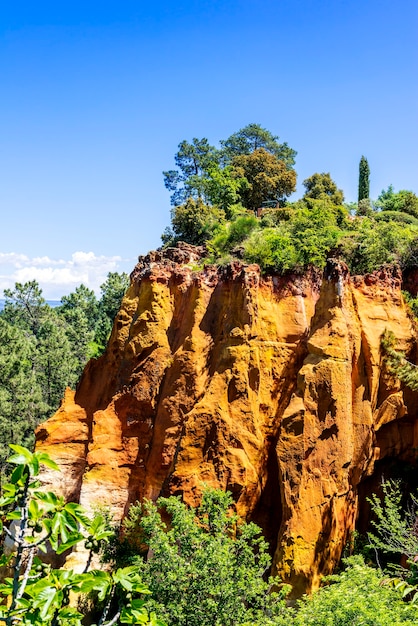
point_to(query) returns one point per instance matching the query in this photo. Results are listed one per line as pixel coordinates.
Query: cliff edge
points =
(271, 387)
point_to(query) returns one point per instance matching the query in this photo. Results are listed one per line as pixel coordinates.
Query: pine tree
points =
(364, 180)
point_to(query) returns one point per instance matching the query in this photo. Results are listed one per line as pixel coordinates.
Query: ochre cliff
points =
(273, 388)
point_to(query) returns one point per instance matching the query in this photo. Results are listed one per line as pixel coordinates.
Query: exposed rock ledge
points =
(270, 387)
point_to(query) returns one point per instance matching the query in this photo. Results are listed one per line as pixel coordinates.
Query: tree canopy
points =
(205, 173)
(321, 186)
(253, 137)
(267, 176)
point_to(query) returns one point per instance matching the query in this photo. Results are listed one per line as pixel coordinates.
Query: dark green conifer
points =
(363, 180)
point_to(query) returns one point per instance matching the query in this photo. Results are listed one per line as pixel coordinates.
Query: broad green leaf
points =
(33, 509)
(71, 541)
(24, 455)
(34, 465)
(45, 459)
(97, 581)
(17, 473)
(78, 512)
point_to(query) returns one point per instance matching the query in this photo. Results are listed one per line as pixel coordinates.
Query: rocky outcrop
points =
(271, 387)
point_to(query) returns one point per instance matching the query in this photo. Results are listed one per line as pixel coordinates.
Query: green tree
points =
(80, 311)
(21, 403)
(56, 364)
(33, 519)
(273, 249)
(25, 306)
(193, 160)
(253, 137)
(204, 567)
(364, 180)
(394, 523)
(83, 300)
(375, 243)
(403, 201)
(112, 292)
(223, 188)
(322, 187)
(232, 234)
(267, 176)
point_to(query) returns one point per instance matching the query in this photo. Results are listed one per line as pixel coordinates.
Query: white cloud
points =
(58, 277)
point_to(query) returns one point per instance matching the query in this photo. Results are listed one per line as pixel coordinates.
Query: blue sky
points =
(96, 96)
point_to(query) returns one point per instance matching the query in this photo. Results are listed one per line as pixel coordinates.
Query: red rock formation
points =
(271, 387)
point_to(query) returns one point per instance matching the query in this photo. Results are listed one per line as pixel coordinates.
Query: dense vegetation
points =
(43, 350)
(234, 200)
(201, 567)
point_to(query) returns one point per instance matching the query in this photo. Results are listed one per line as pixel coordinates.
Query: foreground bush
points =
(203, 568)
(359, 596)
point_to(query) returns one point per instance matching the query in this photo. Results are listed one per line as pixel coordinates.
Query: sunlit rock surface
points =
(273, 388)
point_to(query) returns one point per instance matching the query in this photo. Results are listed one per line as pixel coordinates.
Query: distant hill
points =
(52, 303)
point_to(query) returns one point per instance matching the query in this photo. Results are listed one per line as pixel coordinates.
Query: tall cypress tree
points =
(363, 180)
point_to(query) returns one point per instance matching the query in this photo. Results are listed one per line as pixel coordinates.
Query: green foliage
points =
(363, 180)
(232, 234)
(273, 249)
(111, 294)
(33, 519)
(215, 178)
(395, 524)
(396, 362)
(193, 222)
(251, 169)
(251, 138)
(403, 201)
(44, 350)
(360, 595)
(267, 177)
(21, 403)
(316, 230)
(396, 216)
(306, 235)
(374, 244)
(322, 187)
(204, 567)
(223, 188)
(25, 306)
(412, 302)
(193, 160)
(364, 208)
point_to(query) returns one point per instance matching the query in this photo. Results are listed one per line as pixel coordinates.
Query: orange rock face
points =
(272, 388)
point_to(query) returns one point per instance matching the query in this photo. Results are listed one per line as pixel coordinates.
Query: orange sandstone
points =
(272, 388)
